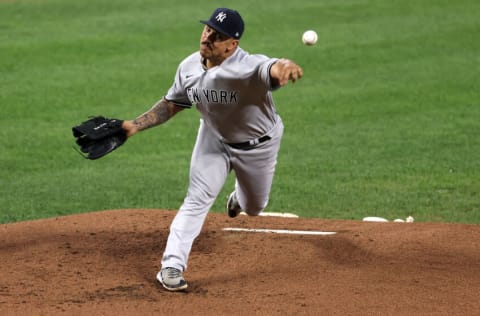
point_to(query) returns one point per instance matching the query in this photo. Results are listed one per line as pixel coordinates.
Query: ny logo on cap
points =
(221, 16)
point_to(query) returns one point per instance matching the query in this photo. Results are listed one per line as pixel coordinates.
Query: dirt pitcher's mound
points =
(105, 264)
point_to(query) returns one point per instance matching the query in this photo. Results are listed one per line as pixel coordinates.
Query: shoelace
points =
(174, 273)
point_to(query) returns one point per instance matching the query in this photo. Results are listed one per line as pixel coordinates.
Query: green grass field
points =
(385, 122)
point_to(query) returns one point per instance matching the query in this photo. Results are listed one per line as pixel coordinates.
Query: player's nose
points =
(205, 35)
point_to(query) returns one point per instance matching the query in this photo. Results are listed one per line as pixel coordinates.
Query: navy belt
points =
(250, 144)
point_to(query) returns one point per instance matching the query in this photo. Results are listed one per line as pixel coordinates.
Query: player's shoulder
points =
(249, 64)
(242, 56)
(193, 58)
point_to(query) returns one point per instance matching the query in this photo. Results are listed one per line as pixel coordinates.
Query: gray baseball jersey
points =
(236, 106)
(234, 99)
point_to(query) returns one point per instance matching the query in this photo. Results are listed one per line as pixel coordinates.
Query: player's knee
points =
(253, 209)
(253, 213)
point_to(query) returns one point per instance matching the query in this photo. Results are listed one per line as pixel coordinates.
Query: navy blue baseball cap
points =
(226, 21)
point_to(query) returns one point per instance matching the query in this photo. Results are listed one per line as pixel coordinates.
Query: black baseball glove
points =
(99, 136)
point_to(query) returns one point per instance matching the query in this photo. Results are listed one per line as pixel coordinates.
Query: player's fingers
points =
(288, 70)
(296, 74)
(293, 76)
(285, 78)
(300, 72)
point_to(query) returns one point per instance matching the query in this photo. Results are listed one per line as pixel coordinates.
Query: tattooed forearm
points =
(161, 112)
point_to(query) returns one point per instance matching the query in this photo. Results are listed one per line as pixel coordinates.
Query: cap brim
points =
(213, 26)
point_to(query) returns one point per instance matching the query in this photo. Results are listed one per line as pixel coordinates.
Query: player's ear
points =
(233, 45)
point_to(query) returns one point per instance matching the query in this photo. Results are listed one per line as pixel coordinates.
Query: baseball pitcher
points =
(240, 131)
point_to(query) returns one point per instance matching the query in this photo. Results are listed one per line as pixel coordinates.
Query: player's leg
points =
(209, 168)
(254, 170)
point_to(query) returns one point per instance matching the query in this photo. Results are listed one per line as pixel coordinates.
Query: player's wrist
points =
(130, 127)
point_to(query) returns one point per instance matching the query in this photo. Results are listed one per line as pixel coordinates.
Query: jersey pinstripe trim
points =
(180, 104)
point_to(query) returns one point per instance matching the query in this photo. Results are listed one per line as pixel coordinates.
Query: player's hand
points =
(285, 70)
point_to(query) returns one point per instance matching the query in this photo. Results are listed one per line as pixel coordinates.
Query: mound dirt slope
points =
(104, 263)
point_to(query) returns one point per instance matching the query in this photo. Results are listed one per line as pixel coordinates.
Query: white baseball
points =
(310, 37)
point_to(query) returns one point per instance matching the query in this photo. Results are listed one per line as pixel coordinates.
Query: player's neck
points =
(217, 60)
(210, 63)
